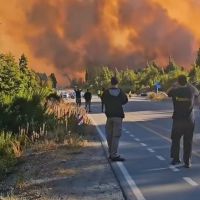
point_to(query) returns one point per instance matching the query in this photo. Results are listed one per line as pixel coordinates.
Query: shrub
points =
(160, 96)
(7, 153)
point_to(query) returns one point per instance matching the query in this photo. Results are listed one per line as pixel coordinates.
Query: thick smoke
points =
(73, 34)
(159, 36)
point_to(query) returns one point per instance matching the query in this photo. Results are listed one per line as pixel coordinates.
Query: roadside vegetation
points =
(143, 79)
(32, 116)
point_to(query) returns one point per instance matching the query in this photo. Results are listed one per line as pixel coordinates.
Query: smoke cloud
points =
(64, 36)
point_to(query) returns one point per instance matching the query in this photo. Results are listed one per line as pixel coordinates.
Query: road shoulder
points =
(63, 173)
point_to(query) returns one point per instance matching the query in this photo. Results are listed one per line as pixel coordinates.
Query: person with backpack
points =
(88, 97)
(114, 98)
(183, 96)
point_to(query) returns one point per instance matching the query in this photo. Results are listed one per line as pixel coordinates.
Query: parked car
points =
(64, 95)
(143, 94)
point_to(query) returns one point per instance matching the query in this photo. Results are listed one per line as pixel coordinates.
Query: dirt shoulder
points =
(63, 173)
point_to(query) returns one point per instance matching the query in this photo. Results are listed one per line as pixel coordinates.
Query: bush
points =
(160, 96)
(7, 154)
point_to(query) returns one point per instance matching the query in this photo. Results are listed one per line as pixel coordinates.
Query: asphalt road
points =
(145, 143)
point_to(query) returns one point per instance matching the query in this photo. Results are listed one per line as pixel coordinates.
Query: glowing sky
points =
(64, 36)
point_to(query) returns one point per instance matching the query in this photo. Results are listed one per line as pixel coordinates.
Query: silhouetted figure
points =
(183, 96)
(78, 96)
(88, 97)
(102, 103)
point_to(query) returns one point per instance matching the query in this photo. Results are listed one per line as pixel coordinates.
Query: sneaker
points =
(175, 162)
(187, 165)
(120, 159)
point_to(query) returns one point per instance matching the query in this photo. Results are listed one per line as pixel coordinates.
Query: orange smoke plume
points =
(65, 36)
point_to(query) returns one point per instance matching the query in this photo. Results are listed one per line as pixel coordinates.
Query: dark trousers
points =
(102, 105)
(78, 101)
(87, 105)
(181, 128)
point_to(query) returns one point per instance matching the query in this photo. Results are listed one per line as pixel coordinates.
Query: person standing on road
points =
(88, 97)
(183, 96)
(78, 96)
(102, 103)
(113, 99)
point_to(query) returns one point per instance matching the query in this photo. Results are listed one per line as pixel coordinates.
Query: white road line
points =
(137, 139)
(124, 129)
(164, 137)
(127, 131)
(174, 169)
(190, 181)
(155, 132)
(132, 135)
(150, 150)
(160, 157)
(134, 188)
(143, 144)
(157, 169)
(136, 191)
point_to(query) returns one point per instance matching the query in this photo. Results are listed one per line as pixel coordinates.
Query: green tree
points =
(42, 79)
(23, 63)
(128, 80)
(197, 62)
(194, 75)
(148, 77)
(104, 78)
(86, 76)
(10, 75)
(53, 79)
(172, 66)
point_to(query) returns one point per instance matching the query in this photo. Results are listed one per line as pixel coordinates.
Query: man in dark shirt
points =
(183, 96)
(101, 94)
(88, 97)
(113, 99)
(78, 96)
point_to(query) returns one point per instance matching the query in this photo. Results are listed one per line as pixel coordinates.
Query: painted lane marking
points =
(136, 191)
(150, 150)
(174, 169)
(132, 135)
(164, 137)
(143, 144)
(160, 157)
(137, 139)
(134, 188)
(190, 181)
(155, 132)
(127, 131)
(157, 169)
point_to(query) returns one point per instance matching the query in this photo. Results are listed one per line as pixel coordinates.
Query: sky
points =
(65, 36)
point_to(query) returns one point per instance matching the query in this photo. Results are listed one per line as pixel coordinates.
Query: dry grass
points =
(8, 198)
(160, 96)
(46, 145)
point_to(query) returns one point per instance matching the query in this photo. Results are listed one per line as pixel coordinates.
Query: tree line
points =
(31, 113)
(22, 93)
(143, 79)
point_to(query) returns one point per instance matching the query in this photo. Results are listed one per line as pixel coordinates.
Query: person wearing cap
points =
(183, 96)
(114, 98)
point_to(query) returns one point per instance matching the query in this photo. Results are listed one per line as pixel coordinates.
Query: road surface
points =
(145, 143)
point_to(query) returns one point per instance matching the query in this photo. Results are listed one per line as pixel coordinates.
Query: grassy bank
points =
(60, 126)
